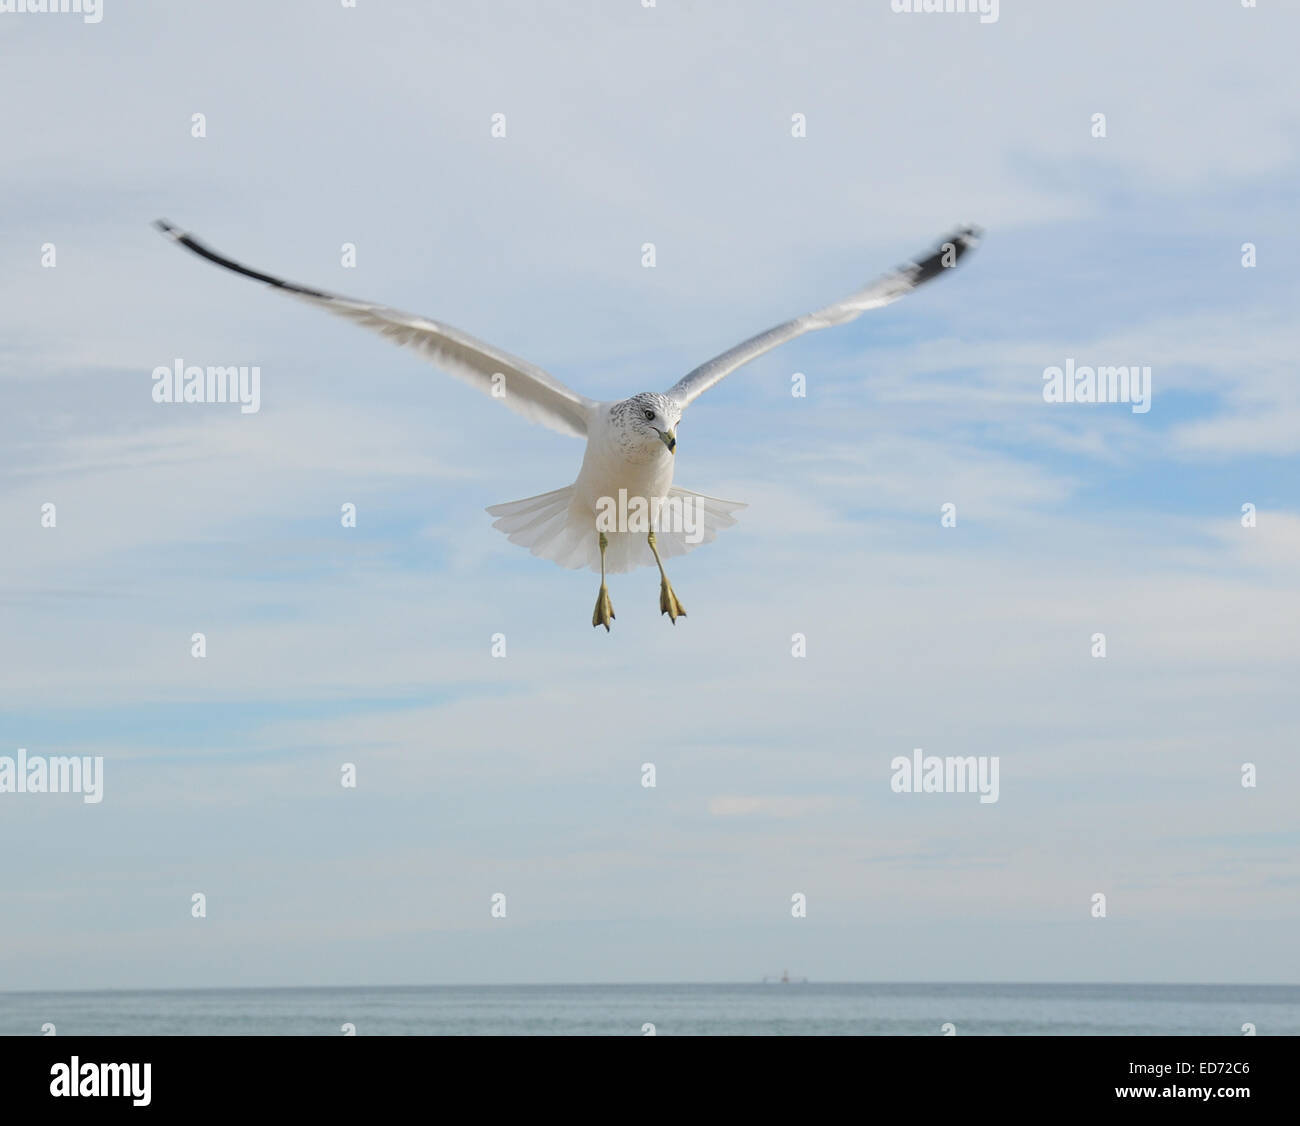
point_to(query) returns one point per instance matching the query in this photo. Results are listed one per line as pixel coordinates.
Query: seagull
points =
(623, 511)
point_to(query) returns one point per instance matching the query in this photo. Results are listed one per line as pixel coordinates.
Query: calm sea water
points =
(683, 1010)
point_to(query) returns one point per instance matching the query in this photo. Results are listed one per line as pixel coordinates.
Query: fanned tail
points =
(545, 525)
(552, 527)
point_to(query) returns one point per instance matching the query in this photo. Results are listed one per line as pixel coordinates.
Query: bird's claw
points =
(604, 612)
(668, 603)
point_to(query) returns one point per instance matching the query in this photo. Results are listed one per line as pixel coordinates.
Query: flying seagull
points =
(627, 470)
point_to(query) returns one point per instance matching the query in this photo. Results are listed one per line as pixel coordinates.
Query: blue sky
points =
(372, 645)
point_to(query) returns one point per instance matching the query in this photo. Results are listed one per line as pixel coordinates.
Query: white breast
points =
(606, 467)
(561, 525)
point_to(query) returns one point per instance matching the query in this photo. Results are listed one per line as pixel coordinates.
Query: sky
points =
(521, 775)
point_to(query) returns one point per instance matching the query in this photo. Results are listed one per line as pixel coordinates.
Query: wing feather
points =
(528, 390)
(898, 283)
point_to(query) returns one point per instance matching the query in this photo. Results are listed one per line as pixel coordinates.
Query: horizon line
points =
(627, 984)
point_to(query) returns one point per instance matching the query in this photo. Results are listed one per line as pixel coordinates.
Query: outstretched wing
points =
(525, 388)
(882, 291)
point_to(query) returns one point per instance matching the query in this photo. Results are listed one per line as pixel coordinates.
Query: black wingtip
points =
(964, 238)
(185, 239)
(947, 254)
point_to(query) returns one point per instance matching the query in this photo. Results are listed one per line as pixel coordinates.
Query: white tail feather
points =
(553, 527)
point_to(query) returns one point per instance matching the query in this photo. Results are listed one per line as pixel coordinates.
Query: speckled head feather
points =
(640, 423)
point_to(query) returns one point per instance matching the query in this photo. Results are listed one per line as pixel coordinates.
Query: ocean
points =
(821, 1009)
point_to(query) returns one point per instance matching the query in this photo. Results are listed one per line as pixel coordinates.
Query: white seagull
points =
(608, 518)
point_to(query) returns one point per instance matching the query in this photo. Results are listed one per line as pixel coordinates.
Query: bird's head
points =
(649, 423)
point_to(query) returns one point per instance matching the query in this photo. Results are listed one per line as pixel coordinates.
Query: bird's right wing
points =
(883, 291)
(525, 388)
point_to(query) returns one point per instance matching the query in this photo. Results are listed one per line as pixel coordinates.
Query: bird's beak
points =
(669, 439)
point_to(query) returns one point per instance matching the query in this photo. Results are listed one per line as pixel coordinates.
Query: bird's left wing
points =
(525, 388)
(898, 283)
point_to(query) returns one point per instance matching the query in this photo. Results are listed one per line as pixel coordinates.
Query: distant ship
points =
(785, 979)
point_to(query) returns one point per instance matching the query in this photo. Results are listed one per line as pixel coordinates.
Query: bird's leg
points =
(668, 603)
(604, 607)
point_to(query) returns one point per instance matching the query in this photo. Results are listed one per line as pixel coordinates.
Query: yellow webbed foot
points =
(604, 612)
(668, 602)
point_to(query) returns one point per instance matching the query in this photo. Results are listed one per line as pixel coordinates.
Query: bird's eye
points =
(650, 415)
